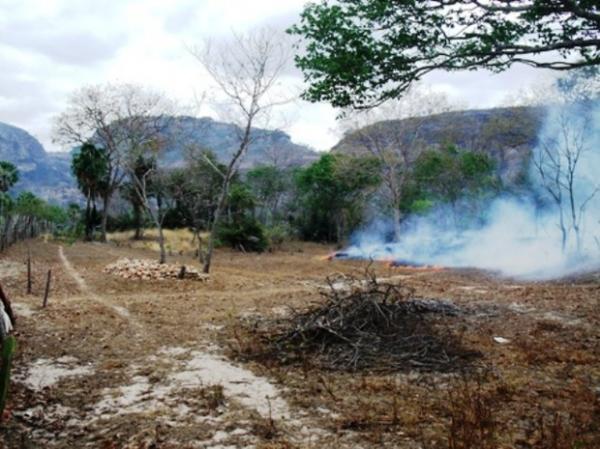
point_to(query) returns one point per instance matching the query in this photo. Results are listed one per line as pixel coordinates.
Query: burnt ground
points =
(114, 363)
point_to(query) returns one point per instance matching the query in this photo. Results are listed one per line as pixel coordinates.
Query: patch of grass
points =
(177, 241)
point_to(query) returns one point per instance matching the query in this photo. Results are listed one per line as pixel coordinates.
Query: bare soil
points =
(115, 363)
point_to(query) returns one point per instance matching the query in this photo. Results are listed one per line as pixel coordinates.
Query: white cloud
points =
(52, 47)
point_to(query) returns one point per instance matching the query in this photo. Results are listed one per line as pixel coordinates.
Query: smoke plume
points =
(519, 236)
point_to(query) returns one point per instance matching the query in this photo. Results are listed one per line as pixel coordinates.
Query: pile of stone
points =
(146, 269)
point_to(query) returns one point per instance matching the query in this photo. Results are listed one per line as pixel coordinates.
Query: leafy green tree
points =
(242, 230)
(55, 214)
(29, 205)
(90, 167)
(140, 165)
(449, 176)
(196, 189)
(31, 208)
(362, 52)
(269, 184)
(9, 176)
(332, 193)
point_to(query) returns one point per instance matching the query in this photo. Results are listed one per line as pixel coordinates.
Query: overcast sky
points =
(49, 48)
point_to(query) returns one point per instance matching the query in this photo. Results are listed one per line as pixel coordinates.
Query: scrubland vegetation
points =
(422, 285)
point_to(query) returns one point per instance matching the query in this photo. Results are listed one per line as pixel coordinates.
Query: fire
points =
(412, 267)
(335, 255)
(389, 261)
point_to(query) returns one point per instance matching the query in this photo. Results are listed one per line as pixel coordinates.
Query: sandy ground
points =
(114, 363)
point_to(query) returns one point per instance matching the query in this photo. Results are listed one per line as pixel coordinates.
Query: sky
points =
(50, 48)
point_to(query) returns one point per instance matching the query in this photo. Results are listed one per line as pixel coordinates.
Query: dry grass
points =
(539, 391)
(177, 241)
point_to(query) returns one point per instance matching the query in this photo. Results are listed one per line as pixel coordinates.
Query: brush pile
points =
(145, 269)
(371, 325)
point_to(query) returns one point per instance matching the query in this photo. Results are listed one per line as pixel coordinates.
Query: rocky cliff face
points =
(506, 134)
(18, 146)
(48, 175)
(266, 147)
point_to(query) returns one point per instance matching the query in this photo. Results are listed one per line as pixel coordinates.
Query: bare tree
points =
(392, 134)
(558, 162)
(247, 70)
(566, 149)
(117, 118)
(196, 188)
(152, 186)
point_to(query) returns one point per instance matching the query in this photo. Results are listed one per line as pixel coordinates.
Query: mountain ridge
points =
(48, 174)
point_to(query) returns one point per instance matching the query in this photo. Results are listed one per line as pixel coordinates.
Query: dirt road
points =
(117, 363)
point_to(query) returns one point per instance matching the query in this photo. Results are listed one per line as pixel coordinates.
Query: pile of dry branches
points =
(367, 324)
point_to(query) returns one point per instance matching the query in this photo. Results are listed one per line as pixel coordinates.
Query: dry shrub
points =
(472, 421)
(265, 427)
(178, 241)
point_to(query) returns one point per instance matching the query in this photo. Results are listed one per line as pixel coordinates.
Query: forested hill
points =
(506, 134)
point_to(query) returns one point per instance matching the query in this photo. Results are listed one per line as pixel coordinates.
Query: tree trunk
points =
(200, 250)
(397, 218)
(106, 200)
(88, 219)
(224, 193)
(161, 244)
(213, 226)
(137, 220)
(563, 231)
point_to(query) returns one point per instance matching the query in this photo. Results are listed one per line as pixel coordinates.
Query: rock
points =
(501, 340)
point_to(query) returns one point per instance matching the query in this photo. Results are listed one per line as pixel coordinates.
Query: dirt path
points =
(178, 386)
(82, 284)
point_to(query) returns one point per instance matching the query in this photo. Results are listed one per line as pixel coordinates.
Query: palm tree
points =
(9, 175)
(90, 167)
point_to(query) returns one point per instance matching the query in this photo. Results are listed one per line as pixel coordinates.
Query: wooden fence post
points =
(47, 292)
(29, 270)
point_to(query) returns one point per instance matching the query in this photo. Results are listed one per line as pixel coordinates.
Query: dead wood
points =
(365, 324)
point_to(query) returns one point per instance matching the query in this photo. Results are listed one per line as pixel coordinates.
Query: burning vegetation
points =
(389, 261)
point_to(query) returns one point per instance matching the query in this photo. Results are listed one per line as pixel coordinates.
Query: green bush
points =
(278, 234)
(245, 234)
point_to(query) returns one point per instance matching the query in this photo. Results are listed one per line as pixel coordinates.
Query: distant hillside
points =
(46, 175)
(506, 134)
(49, 174)
(267, 147)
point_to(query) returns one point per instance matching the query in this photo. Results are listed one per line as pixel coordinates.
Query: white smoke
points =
(520, 236)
